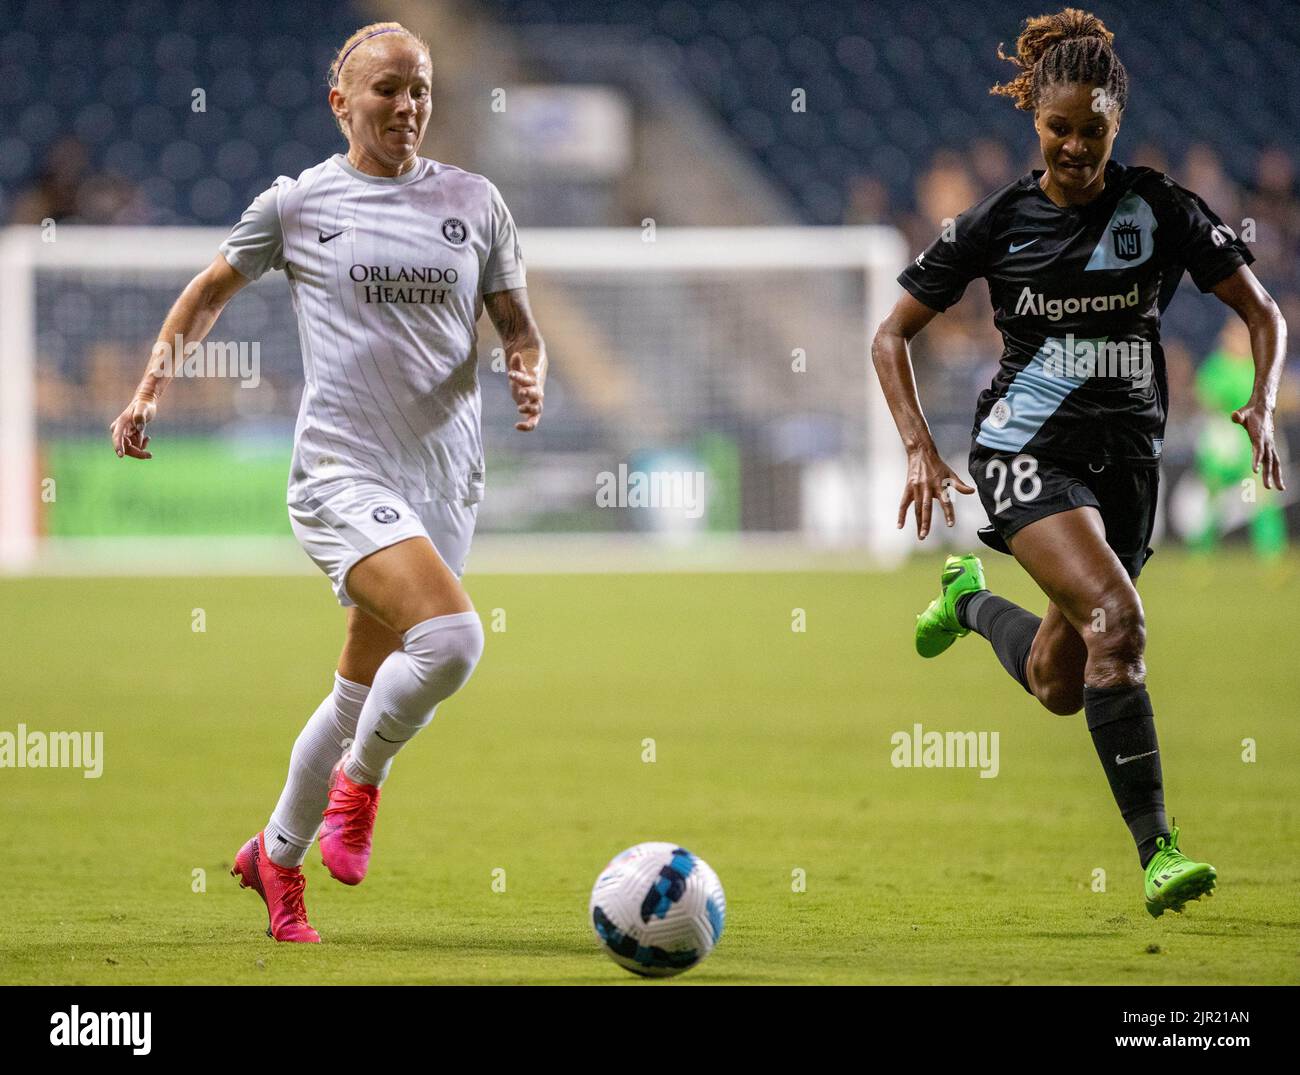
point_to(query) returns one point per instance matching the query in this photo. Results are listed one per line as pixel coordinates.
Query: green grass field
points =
(773, 755)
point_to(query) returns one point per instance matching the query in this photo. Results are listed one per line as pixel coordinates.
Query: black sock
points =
(1008, 627)
(1124, 733)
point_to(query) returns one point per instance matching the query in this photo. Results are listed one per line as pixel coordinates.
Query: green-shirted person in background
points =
(1223, 451)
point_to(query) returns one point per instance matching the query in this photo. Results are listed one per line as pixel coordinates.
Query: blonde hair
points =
(358, 36)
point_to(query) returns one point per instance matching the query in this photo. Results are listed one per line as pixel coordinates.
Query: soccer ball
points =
(657, 909)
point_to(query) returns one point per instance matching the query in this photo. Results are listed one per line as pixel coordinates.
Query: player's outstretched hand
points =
(1257, 420)
(127, 431)
(527, 394)
(929, 478)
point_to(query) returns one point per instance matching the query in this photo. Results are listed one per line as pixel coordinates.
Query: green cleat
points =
(937, 627)
(1173, 880)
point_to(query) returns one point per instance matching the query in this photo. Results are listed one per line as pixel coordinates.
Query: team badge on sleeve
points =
(385, 514)
(453, 231)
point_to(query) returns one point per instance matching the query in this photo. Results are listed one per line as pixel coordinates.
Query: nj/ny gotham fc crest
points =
(1127, 237)
(1131, 240)
(453, 231)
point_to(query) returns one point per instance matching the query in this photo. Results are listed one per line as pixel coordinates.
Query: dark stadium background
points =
(898, 129)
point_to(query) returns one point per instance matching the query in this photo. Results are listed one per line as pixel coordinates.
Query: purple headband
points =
(344, 59)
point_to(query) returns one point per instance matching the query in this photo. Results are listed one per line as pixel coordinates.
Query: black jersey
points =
(1077, 294)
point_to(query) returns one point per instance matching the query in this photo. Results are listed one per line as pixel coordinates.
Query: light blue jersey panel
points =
(1035, 394)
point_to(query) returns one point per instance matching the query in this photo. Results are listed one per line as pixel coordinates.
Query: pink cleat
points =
(347, 825)
(281, 887)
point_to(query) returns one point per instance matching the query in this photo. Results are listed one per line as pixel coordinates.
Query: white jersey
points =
(388, 277)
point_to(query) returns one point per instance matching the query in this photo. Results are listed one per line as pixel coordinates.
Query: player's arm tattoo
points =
(513, 320)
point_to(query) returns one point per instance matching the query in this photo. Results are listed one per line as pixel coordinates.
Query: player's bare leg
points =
(408, 594)
(1067, 555)
(1056, 664)
(405, 584)
(366, 647)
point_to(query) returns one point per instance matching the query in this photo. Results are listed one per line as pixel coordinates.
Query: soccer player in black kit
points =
(1081, 258)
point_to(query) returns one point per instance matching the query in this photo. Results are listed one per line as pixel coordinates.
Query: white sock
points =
(436, 658)
(297, 815)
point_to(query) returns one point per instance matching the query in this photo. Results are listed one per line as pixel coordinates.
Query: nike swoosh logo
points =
(1124, 761)
(326, 238)
(1016, 249)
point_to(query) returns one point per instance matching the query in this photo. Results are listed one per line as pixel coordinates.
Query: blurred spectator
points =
(943, 190)
(991, 164)
(868, 201)
(55, 192)
(67, 191)
(1150, 155)
(1272, 203)
(1202, 172)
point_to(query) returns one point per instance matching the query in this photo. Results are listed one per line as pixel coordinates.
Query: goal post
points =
(740, 355)
(17, 399)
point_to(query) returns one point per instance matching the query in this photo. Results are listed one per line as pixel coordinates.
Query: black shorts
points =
(1017, 488)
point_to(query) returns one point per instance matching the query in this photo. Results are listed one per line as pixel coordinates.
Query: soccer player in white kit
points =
(391, 258)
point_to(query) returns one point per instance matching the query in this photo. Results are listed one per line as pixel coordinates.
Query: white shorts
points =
(340, 525)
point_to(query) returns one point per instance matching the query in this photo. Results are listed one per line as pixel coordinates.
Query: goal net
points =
(711, 394)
